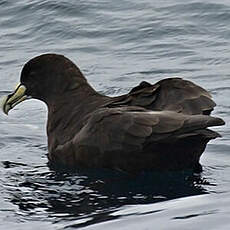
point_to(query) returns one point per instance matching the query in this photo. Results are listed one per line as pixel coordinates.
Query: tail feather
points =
(205, 134)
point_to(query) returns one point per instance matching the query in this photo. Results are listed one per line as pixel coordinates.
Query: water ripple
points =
(117, 44)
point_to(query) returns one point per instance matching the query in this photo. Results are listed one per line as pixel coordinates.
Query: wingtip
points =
(216, 121)
(220, 121)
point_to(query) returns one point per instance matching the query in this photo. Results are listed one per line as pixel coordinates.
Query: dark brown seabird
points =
(163, 126)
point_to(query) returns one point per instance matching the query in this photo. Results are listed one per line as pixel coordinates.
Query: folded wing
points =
(173, 94)
(134, 139)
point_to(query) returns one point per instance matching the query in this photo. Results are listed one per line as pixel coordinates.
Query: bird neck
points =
(68, 113)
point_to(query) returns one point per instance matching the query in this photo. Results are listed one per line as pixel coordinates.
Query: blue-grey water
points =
(116, 44)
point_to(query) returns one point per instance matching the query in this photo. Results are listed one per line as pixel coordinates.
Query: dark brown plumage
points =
(153, 127)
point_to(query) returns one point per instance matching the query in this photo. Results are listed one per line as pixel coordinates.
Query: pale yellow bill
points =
(10, 101)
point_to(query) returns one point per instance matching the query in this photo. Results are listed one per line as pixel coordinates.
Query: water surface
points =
(116, 44)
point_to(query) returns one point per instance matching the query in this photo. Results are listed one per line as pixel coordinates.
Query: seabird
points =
(154, 127)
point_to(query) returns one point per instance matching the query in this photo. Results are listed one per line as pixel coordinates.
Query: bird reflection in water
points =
(95, 194)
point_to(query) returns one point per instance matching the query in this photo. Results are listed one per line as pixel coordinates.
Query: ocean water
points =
(116, 44)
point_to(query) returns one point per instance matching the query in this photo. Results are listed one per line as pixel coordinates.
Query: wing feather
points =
(119, 128)
(173, 94)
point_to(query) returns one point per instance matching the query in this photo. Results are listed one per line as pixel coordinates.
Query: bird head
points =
(46, 77)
